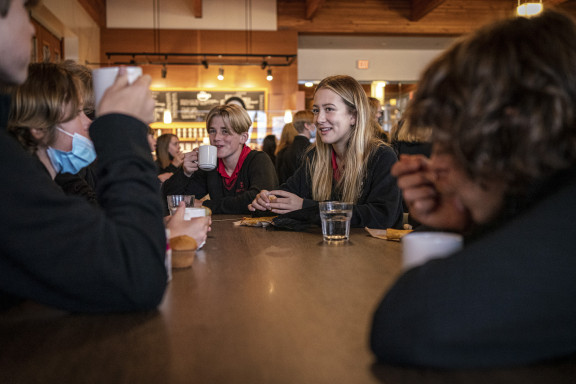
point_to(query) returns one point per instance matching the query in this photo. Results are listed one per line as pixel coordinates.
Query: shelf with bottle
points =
(190, 135)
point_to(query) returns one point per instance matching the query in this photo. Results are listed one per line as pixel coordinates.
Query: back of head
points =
(502, 100)
(301, 118)
(235, 100)
(48, 97)
(269, 145)
(233, 115)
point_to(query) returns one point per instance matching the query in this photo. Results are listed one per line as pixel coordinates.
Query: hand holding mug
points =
(190, 163)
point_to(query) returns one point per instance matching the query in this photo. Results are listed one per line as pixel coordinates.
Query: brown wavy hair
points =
(48, 97)
(163, 155)
(503, 100)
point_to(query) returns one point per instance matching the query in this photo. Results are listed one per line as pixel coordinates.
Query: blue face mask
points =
(313, 133)
(82, 154)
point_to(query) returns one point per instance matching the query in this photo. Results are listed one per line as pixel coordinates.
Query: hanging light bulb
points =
(529, 8)
(167, 116)
(287, 116)
(269, 76)
(221, 74)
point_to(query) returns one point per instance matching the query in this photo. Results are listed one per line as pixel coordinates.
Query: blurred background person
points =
(269, 147)
(169, 155)
(411, 142)
(286, 138)
(303, 122)
(378, 114)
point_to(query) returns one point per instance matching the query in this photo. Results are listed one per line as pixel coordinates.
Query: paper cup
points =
(103, 78)
(419, 247)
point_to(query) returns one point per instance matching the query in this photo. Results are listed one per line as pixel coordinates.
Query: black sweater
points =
(257, 173)
(380, 203)
(64, 252)
(506, 299)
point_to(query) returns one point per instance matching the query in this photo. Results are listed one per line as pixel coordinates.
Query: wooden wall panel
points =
(282, 90)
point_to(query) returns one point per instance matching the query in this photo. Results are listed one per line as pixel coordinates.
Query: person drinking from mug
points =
(240, 172)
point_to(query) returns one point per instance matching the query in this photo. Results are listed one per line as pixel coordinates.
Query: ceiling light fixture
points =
(221, 74)
(164, 71)
(269, 76)
(528, 8)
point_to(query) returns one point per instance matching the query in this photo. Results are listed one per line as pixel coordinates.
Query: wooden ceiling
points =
(386, 17)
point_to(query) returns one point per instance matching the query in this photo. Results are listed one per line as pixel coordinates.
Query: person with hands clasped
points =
(502, 173)
(347, 163)
(240, 172)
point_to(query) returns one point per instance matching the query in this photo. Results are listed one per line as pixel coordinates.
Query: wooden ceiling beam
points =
(96, 9)
(312, 6)
(197, 7)
(421, 8)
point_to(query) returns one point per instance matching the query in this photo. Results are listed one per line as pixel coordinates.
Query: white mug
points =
(419, 247)
(103, 78)
(207, 157)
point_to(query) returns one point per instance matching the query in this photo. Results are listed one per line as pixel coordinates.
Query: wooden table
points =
(257, 306)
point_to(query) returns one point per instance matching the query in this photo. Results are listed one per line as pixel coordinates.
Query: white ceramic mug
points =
(207, 159)
(103, 78)
(419, 247)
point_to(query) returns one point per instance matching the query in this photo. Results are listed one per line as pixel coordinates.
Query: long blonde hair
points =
(287, 137)
(361, 144)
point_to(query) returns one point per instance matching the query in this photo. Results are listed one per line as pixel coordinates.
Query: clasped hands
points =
(276, 201)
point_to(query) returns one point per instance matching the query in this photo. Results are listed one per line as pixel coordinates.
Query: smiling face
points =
(228, 142)
(332, 117)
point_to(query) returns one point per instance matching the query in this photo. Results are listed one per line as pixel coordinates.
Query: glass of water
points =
(174, 201)
(336, 216)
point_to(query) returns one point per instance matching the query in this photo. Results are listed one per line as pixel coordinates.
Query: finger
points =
(179, 214)
(251, 208)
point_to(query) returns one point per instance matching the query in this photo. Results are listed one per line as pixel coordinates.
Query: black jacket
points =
(506, 299)
(257, 173)
(379, 205)
(292, 158)
(64, 252)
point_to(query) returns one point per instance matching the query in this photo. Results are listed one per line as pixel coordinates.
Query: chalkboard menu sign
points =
(191, 105)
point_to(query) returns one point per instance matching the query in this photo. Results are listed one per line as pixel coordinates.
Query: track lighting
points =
(205, 63)
(221, 74)
(269, 76)
(164, 71)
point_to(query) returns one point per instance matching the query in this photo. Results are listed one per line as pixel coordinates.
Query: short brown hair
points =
(502, 103)
(300, 118)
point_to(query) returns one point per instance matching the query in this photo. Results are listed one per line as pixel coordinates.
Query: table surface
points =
(257, 306)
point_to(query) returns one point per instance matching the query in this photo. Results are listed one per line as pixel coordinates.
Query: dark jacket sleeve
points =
(506, 299)
(64, 252)
(257, 173)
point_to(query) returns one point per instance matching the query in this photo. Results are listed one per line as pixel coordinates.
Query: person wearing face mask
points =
(48, 119)
(304, 125)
